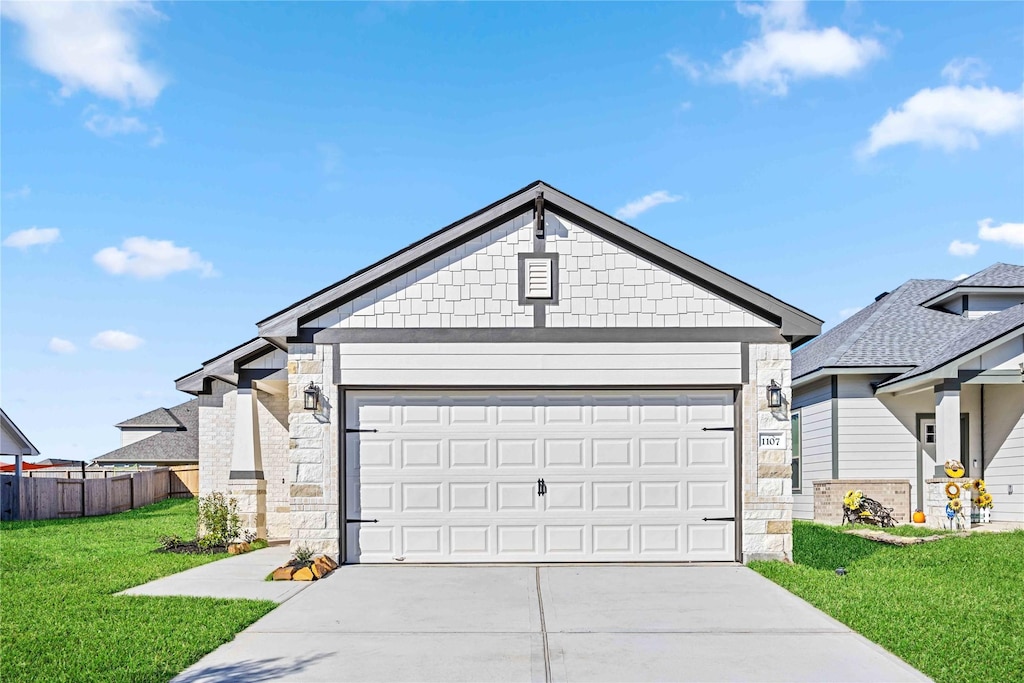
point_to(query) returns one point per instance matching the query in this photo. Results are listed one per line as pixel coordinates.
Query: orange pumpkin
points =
(918, 517)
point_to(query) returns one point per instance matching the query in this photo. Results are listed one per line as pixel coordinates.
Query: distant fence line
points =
(53, 497)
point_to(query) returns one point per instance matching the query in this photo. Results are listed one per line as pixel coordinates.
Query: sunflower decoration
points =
(955, 505)
(852, 499)
(985, 500)
(953, 491)
(955, 469)
(979, 485)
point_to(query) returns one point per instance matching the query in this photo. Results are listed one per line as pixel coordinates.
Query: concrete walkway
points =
(241, 576)
(548, 623)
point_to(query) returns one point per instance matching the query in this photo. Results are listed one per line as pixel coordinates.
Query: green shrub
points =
(219, 523)
(303, 554)
(170, 542)
(259, 543)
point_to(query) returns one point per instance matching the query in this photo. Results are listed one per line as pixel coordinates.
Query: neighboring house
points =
(927, 373)
(535, 382)
(165, 436)
(14, 443)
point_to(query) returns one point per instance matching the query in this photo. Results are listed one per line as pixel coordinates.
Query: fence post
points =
(131, 487)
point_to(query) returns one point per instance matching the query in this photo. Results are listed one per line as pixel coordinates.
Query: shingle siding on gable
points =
(476, 285)
(603, 285)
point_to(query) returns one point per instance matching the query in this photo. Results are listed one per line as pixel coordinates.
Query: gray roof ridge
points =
(166, 412)
(966, 282)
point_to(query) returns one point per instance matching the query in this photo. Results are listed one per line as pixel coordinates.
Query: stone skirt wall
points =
(892, 493)
(935, 501)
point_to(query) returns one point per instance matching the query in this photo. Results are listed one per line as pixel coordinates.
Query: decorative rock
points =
(319, 571)
(304, 574)
(238, 548)
(330, 562)
(284, 573)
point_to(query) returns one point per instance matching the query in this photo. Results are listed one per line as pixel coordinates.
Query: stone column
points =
(767, 484)
(947, 422)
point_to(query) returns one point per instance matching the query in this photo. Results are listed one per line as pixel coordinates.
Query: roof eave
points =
(828, 371)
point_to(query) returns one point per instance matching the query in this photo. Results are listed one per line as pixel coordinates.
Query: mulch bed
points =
(192, 548)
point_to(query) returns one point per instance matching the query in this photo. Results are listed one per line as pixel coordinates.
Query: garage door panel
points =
(453, 477)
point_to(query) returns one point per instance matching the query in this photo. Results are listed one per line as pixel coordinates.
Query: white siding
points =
(130, 436)
(979, 305)
(540, 364)
(1004, 450)
(603, 285)
(815, 406)
(274, 360)
(476, 284)
(875, 443)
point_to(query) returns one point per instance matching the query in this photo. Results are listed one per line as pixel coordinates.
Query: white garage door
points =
(458, 477)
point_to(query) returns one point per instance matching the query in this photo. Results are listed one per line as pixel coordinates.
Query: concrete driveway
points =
(555, 623)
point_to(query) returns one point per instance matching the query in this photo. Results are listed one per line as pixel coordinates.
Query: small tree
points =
(219, 523)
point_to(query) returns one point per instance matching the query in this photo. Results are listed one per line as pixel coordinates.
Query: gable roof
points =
(177, 446)
(17, 435)
(985, 330)
(223, 366)
(160, 418)
(901, 332)
(995, 277)
(794, 322)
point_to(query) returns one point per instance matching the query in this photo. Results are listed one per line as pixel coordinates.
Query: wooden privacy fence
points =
(51, 497)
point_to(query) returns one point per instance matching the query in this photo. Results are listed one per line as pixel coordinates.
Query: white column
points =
(246, 461)
(947, 422)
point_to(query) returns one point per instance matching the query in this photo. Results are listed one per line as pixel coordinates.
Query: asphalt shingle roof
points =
(159, 418)
(177, 446)
(898, 331)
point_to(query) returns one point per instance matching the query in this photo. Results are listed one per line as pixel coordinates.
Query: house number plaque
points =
(770, 440)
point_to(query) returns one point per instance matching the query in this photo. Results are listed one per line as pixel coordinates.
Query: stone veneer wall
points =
(935, 501)
(767, 483)
(829, 495)
(313, 449)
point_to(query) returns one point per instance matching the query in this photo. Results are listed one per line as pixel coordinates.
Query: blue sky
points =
(173, 173)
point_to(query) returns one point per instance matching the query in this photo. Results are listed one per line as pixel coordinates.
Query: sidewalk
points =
(241, 576)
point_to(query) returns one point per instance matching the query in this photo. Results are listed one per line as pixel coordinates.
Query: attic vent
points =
(881, 296)
(538, 278)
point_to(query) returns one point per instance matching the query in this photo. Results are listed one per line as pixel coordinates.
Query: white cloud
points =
(151, 259)
(965, 69)
(105, 126)
(61, 346)
(693, 70)
(31, 237)
(847, 312)
(21, 193)
(788, 49)
(958, 248)
(1010, 233)
(90, 45)
(116, 340)
(961, 276)
(951, 116)
(647, 202)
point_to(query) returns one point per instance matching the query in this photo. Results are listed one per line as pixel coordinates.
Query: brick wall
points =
(829, 494)
(216, 435)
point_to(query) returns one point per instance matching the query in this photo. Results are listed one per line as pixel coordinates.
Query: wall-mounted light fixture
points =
(311, 396)
(774, 395)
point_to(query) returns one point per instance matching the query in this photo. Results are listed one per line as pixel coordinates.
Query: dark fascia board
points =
(333, 335)
(796, 324)
(969, 289)
(224, 365)
(285, 323)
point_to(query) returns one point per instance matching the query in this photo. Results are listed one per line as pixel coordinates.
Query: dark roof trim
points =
(224, 366)
(972, 289)
(489, 335)
(795, 323)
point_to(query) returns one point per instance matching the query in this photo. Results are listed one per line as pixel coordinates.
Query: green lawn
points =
(60, 619)
(952, 608)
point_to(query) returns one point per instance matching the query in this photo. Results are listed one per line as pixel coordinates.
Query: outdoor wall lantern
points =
(312, 397)
(774, 395)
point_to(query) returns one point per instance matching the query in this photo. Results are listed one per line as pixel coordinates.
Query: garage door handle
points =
(718, 519)
(353, 431)
(360, 521)
(542, 488)
(718, 429)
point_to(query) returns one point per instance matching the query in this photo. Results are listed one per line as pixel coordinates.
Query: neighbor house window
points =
(797, 447)
(929, 433)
